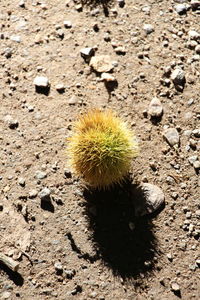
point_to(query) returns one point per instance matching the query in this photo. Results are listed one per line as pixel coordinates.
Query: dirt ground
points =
(84, 244)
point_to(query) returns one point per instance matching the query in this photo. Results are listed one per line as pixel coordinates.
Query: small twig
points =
(9, 262)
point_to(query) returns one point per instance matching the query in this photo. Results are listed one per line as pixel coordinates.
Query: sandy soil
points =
(86, 244)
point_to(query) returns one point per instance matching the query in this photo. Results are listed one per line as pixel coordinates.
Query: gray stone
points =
(175, 287)
(8, 52)
(40, 174)
(155, 108)
(60, 87)
(101, 63)
(194, 35)
(181, 9)
(150, 199)
(148, 28)
(196, 133)
(21, 3)
(120, 50)
(197, 49)
(107, 77)
(33, 194)
(73, 100)
(67, 24)
(169, 256)
(178, 77)
(69, 273)
(172, 136)
(192, 159)
(86, 53)
(196, 164)
(41, 81)
(44, 193)
(12, 123)
(21, 181)
(58, 266)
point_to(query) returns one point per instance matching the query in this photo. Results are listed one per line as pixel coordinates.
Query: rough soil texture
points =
(82, 244)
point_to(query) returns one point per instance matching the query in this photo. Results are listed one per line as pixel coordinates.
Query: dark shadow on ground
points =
(14, 276)
(105, 4)
(125, 243)
(46, 204)
(42, 90)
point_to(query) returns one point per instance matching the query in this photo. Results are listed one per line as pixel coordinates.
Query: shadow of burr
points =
(14, 276)
(125, 243)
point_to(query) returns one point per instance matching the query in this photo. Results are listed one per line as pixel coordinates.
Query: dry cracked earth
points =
(70, 242)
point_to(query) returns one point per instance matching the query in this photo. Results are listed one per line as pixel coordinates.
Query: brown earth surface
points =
(84, 244)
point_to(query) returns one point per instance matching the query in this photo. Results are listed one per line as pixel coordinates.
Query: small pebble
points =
(58, 266)
(194, 35)
(67, 24)
(21, 181)
(148, 28)
(33, 194)
(73, 100)
(107, 77)
(178, 77)
(172, 136)
(175, 287)
(21, 3)
(155, 108)
(12, 123)
(15, 38)
(120, 50)
(181, 9)
(77, 289)
(197, 49)
(169, 256)
(8, 52)
(196, 164)
(41, 81)
(44, 194)
(60, 87)
(192, 159)
(86, 53)
(40, 174)
(196, 133)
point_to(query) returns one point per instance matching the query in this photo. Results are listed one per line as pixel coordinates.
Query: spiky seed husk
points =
(101, 148)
